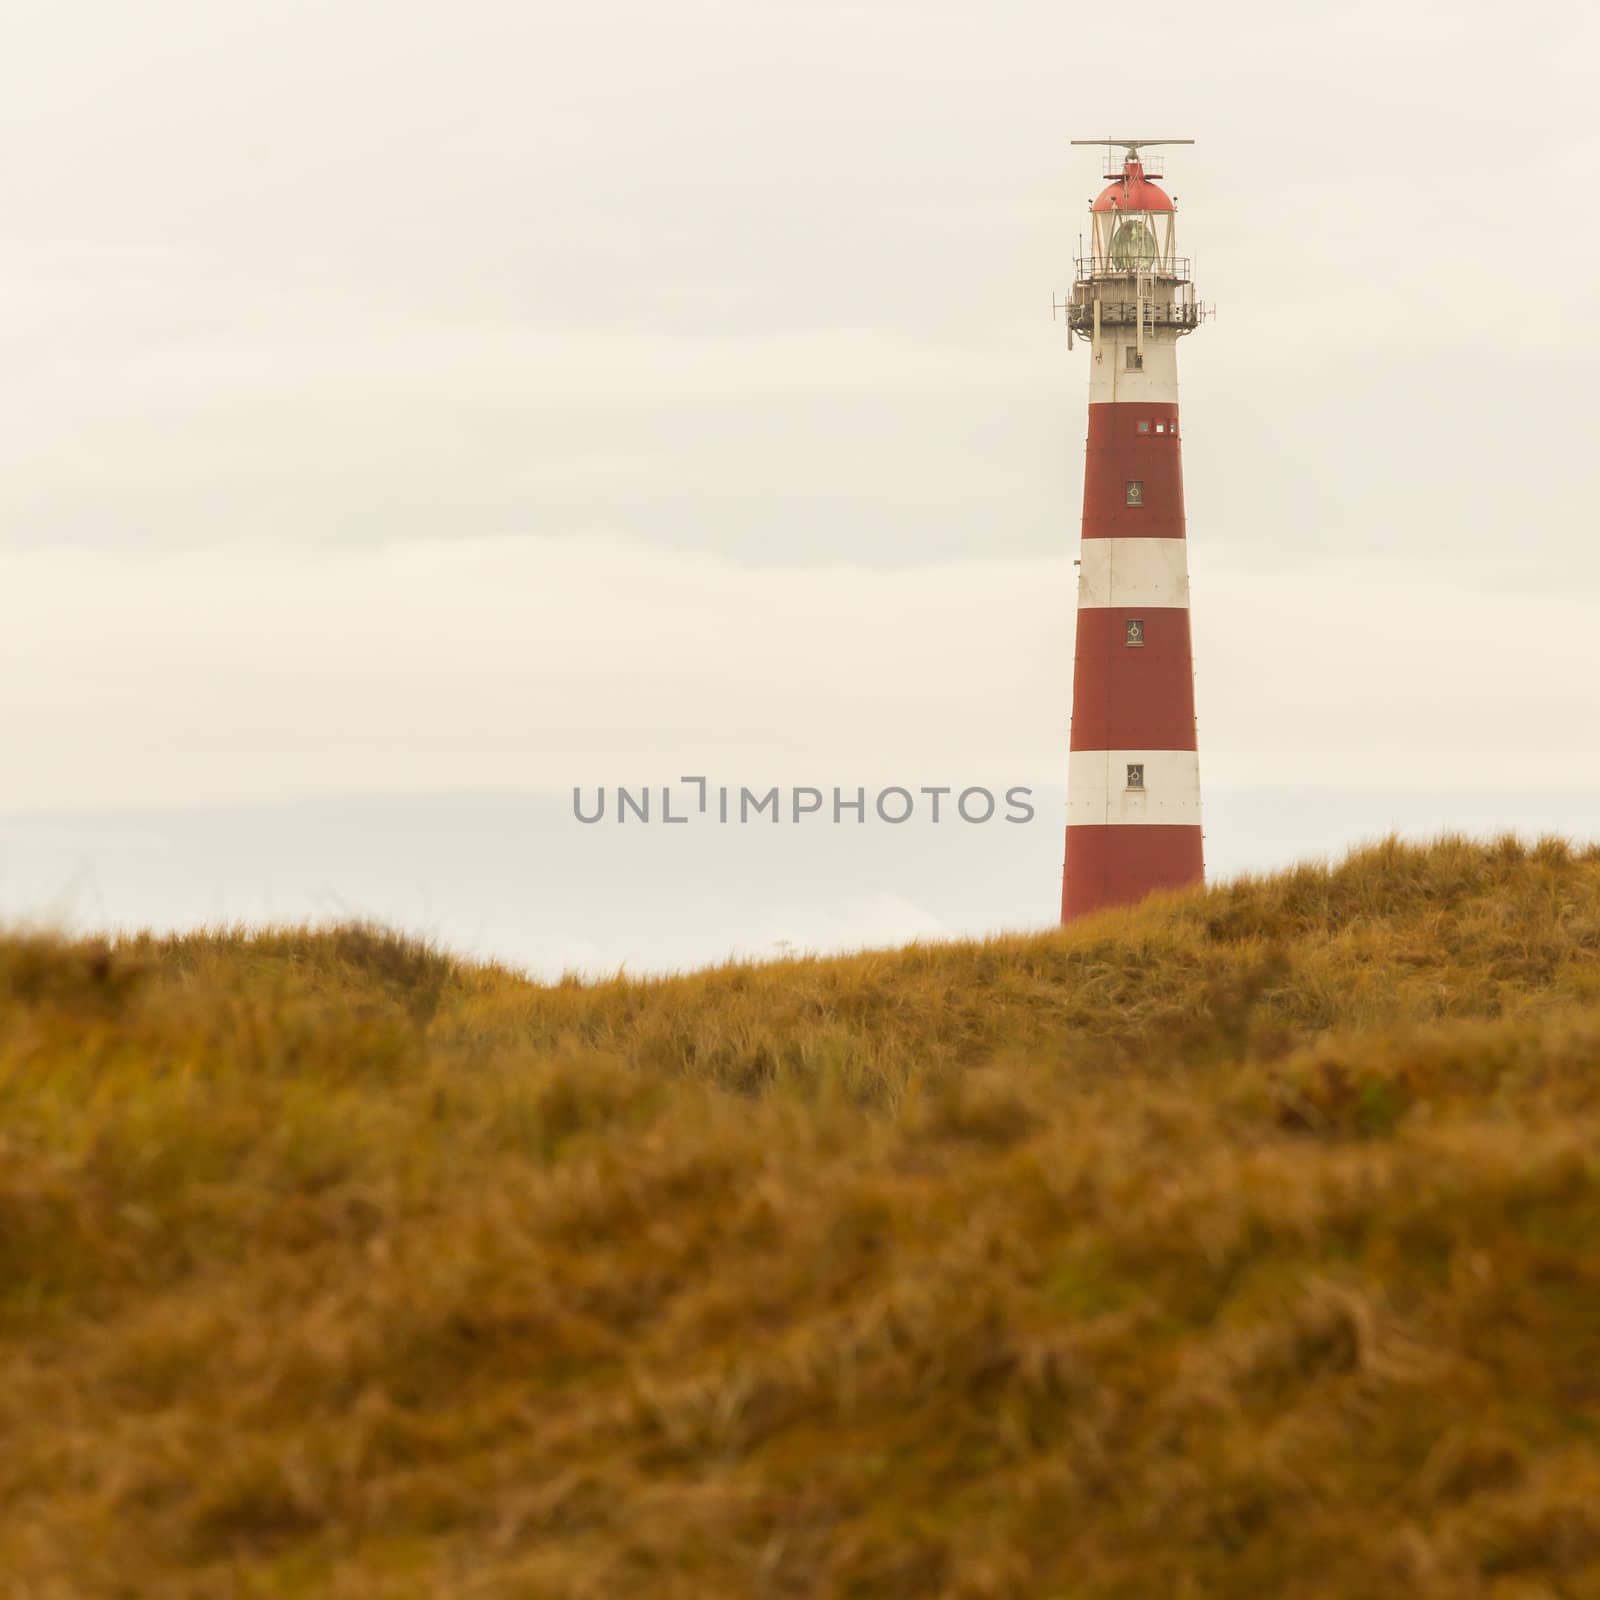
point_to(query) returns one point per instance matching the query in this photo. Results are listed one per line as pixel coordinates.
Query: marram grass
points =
(1247, 1244)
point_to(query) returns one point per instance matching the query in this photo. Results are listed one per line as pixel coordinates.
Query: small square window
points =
(1135, 488)
(1161, 427)
(1134, 631)
(1144, 427)
(1136, 775)
(1135, 360)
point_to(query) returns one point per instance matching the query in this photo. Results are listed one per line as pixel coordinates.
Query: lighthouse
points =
(1133, 776)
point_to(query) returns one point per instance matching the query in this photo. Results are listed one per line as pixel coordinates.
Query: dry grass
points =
(1247, 1244)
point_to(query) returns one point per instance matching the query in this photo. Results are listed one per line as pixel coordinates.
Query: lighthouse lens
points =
(1133, 246)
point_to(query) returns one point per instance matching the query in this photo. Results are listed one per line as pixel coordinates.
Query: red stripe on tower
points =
(1133, 779)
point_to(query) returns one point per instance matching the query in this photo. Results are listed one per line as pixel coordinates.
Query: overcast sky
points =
(415, 400)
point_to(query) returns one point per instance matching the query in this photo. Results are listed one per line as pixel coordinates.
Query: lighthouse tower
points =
(1133, 778)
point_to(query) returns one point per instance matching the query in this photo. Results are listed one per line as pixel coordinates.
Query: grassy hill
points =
(1247, 1244)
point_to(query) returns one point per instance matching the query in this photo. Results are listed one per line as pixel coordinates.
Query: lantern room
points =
(1133, 226)
(1130, 276)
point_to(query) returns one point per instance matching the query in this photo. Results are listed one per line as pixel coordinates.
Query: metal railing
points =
(1167, 269)
(1182, 314)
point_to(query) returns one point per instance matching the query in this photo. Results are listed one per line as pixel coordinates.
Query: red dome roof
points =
(1132, 192)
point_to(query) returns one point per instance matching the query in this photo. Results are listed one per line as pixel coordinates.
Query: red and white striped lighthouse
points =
(1133, 779)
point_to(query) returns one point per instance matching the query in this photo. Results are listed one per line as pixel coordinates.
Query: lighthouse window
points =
(1161, 427)
(1135, 487)
(1144, 427)
(1136, 774)
(1135, 359)
(1135, 631)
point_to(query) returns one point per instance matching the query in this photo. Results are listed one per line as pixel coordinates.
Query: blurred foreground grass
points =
(1244, 1244)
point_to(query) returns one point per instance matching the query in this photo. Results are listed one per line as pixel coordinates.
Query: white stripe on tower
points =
(1133, 788)
(1156, 382)
(1134, 572)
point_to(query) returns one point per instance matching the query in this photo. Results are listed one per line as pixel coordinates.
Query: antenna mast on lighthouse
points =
(1133, 778)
